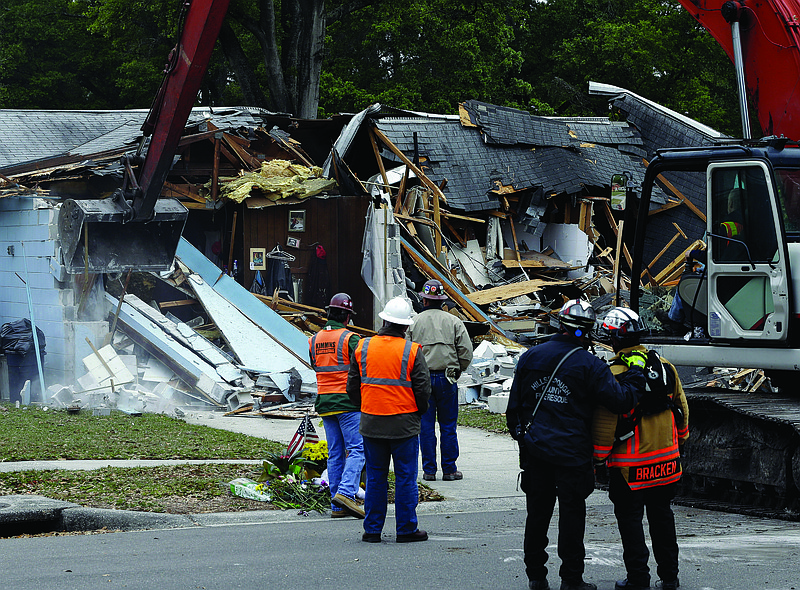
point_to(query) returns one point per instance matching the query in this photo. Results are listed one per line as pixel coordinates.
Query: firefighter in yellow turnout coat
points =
(642, 452)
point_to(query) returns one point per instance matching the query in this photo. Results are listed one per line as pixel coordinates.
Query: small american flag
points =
(305, 434)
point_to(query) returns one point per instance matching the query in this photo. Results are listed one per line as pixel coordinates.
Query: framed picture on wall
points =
(293, 242)
(258, 259)
(297, 221)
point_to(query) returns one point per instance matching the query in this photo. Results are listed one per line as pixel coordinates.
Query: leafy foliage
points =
(414, 54)
(652, 47)
(424, 54)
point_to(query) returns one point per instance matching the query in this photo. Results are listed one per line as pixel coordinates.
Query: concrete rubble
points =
(156, 363)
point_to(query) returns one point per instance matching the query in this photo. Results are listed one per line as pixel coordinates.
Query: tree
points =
(425, 55)
(273, 50)
(652, 47)
(313, 58)
(49, 59)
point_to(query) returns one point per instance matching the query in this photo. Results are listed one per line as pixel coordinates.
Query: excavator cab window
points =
(742, 217)
(789, 199)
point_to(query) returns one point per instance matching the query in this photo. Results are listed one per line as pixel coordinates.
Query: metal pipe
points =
(738, 63)
(36, 347)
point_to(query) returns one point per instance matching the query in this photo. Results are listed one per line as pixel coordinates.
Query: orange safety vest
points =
(385, 364)
(330, 356)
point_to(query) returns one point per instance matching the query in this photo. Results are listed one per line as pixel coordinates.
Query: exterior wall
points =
(337, 223)
(29, 228)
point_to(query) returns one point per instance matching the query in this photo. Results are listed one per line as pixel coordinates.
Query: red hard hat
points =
(433, 289)
(342, 301)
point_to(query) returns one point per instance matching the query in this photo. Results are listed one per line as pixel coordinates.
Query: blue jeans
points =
(444, 404)
(404, 453)
(345, 453)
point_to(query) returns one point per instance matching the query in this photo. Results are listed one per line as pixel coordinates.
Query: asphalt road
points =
(473, 544)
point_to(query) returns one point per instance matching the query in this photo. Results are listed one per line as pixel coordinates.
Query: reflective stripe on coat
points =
(330, 357)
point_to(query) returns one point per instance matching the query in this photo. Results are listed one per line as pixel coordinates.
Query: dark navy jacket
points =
(561, 431)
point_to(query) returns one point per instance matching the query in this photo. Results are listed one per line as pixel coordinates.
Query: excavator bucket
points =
(95, 239)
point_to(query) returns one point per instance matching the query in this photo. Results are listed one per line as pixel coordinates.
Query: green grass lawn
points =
(483, 419)
(32, 434)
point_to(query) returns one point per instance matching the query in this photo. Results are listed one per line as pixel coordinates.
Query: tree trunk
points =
(293, 73)
(245, 75)
(312, 44)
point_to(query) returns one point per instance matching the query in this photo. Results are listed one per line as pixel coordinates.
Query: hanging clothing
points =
(259, 287)
(318, 288)
(279, 275)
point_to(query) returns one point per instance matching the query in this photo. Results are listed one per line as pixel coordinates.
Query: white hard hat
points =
(397, 311)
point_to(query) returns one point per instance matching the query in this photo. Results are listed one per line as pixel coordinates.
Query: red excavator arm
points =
(173, 104)
(133, 229)
(769, 31)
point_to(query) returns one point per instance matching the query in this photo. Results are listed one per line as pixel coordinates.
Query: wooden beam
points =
(585, 220)
(462, 217)
(660, 254)
(378, 158)
(538, 263)
(610, 218)
(415, 169)
(401, 193)
(437, 220)
(678, 261)
(669, 205)
(409, 218)
(186, 191)
(247, 159)
(454, 294)
(176, 303)
(455, 233)
(616, 263)
(679, 194)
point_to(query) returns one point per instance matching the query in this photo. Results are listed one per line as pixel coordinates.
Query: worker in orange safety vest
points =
(330, 350)
(389, 381)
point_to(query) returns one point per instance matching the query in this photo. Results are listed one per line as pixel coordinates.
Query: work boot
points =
(452, 476)
(348, 504)
(413, 537)
(371, 537)
(429, 476)
(578, 586)
(539, 585)
(671, 585)
(340, 514)
(626, 584)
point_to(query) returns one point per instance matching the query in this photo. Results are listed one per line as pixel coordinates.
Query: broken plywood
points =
(512, 290)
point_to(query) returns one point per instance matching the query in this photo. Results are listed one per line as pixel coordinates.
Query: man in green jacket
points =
(448, 352)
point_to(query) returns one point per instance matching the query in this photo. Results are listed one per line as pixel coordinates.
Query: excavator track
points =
(743, 453)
